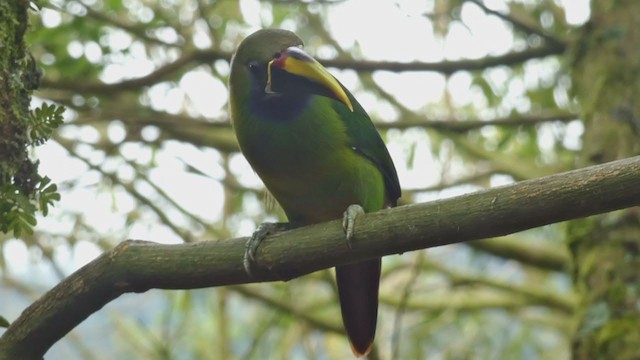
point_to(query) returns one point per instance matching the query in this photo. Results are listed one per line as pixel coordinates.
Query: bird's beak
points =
(295, 71)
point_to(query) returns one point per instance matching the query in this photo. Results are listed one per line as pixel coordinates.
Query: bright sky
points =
(377, 36)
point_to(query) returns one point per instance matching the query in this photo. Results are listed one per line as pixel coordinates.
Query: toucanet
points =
(317, 152)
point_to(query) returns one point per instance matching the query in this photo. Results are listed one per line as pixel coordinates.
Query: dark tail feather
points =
(358, 289)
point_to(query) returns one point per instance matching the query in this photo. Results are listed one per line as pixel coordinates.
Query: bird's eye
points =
(254, 68)
(276, 55)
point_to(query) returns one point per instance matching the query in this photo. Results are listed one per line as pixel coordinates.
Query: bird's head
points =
(274, 61)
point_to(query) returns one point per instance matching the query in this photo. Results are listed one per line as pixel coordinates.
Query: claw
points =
(251, 248)
(349, 221)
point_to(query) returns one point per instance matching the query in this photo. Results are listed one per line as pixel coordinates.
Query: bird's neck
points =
(277, 107)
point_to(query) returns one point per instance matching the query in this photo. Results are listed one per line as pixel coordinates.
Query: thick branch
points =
(136, 266)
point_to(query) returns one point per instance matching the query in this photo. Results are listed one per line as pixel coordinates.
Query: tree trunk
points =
(606, 249)
(14, 98)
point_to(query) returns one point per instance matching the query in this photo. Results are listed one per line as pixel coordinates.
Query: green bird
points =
(317, 152)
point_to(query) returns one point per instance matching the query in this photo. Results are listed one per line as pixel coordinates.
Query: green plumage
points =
(315, 156)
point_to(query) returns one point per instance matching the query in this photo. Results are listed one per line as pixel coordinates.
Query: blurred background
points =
(468, 94)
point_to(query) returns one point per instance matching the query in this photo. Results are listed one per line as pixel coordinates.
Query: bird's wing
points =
(366, 141)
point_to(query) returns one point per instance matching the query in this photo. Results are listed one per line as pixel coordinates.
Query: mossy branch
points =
(137, 266)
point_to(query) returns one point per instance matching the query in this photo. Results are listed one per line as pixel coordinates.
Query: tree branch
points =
(137, 266)
(553, 257)
(527, 27)
(455, 125)
(292, 311)
(166, 120)
(206, 56)
(535, 294)
(158, 75)
(139, 30)
(446, 67)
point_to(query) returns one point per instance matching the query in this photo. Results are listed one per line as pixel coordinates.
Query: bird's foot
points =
(349, 221)
(261, 233)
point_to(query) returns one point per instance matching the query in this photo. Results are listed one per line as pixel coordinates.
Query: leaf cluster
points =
(43, 121)
(23, 191)
(28, 192)
(18, 209)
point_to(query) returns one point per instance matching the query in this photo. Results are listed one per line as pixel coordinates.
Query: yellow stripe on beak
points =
(297, 62)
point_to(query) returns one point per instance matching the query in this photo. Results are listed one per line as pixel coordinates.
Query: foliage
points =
(17, 210)
(23, 191)
(3, 322)
(148, 148)
(43, 121)
(20, 201)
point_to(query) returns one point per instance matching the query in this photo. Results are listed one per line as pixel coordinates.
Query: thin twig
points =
(526, 27)
(402, 306)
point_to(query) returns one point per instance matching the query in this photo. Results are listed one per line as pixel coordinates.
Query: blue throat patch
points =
(276, 107)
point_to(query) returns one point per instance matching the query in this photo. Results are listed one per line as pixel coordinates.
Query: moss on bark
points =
(18, 77)
(606, 249)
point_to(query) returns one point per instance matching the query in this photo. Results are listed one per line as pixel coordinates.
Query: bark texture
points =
(18, 77)
(606, 249)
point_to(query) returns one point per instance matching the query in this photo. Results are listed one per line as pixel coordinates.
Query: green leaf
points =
(43, 121)
(4, 322)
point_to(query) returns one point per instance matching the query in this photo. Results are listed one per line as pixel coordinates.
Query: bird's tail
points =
(358, 290)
